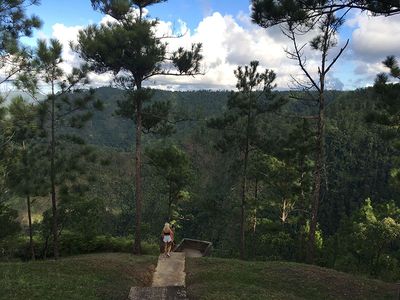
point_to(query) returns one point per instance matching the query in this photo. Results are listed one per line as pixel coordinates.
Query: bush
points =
(72, 244)
(150, 248)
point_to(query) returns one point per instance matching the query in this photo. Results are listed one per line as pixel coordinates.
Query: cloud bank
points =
(229, 41)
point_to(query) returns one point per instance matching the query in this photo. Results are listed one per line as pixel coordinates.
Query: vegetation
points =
(211, 278)
(269, 12)
(93, 276)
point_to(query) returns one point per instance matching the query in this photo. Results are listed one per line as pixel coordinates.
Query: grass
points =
(92, 276)
(110, 276)
(213, 278)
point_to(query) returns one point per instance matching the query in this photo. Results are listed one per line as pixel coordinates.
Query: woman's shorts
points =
(167, 239)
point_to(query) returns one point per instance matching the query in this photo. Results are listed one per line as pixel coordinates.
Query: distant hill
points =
(8, 95)
(108, 129)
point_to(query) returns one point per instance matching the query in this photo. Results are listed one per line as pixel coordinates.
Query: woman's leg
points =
(165, 248)
(169, 248)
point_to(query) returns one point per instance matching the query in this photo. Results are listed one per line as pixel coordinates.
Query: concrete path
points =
(168, 280)
(192, 253)
(170, 271)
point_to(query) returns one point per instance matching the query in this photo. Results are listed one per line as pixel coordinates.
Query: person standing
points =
(167, 235)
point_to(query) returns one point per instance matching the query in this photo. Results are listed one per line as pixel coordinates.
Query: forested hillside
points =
(310, 174)
(190, 108)
(207, 204)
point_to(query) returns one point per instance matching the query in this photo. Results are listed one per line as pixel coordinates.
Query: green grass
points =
(213, 278)
(110, 276)
(92, 276)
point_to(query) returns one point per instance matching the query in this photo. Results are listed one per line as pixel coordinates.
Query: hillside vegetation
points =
(212, 278)
(195, 173)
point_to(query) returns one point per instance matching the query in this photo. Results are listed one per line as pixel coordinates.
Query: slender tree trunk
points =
(138, 177)
(244, 188)
(53, 176)
(320, 157)
(32, 249)
(317, 177)
(255, 206)
(46, 246)
(255, 217)
(170, 202)
(242, 208)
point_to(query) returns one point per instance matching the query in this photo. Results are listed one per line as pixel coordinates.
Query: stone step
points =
(158, 293)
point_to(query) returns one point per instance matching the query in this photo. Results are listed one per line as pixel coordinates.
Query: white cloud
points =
(373, 38)
(227, 42)
(66, 35)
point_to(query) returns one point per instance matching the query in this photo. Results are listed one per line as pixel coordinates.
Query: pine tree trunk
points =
(53, 177)
(170, 202)
(244, 188)
(32, 249)
(138, 183)
(317, 179)
(242, 210)
(255, 217)
(255, 206)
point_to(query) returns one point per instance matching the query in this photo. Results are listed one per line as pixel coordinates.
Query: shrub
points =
(71, 244)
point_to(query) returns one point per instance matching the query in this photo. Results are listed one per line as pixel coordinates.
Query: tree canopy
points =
(267, 13)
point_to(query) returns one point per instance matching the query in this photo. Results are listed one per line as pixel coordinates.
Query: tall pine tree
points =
(130, 49)
(64, 105)
(239, 124)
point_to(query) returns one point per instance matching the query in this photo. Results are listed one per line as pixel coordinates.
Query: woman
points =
(167, 239)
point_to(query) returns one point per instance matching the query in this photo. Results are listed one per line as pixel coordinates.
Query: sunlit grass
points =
(93, 276)
(212, 278)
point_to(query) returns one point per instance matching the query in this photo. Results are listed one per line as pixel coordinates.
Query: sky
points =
(230, 39)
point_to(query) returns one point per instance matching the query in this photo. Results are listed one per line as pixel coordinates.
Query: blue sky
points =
(230, 39)
(80, 12)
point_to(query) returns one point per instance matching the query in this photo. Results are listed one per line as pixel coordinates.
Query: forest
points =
(308, 175)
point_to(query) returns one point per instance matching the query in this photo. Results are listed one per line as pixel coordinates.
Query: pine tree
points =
(14, 23)
(8, 217)
(64, 105)
(173, 166)
(268, 13)
(239, 124)
(387, 108)
(26, 174)
(314, 89)
(130, 49)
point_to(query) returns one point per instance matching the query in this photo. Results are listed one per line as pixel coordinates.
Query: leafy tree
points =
(369, 235)
(130, 49)
(63, 106)
(239, 124)
(8, 221)
(267, 13)
(173, 166)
